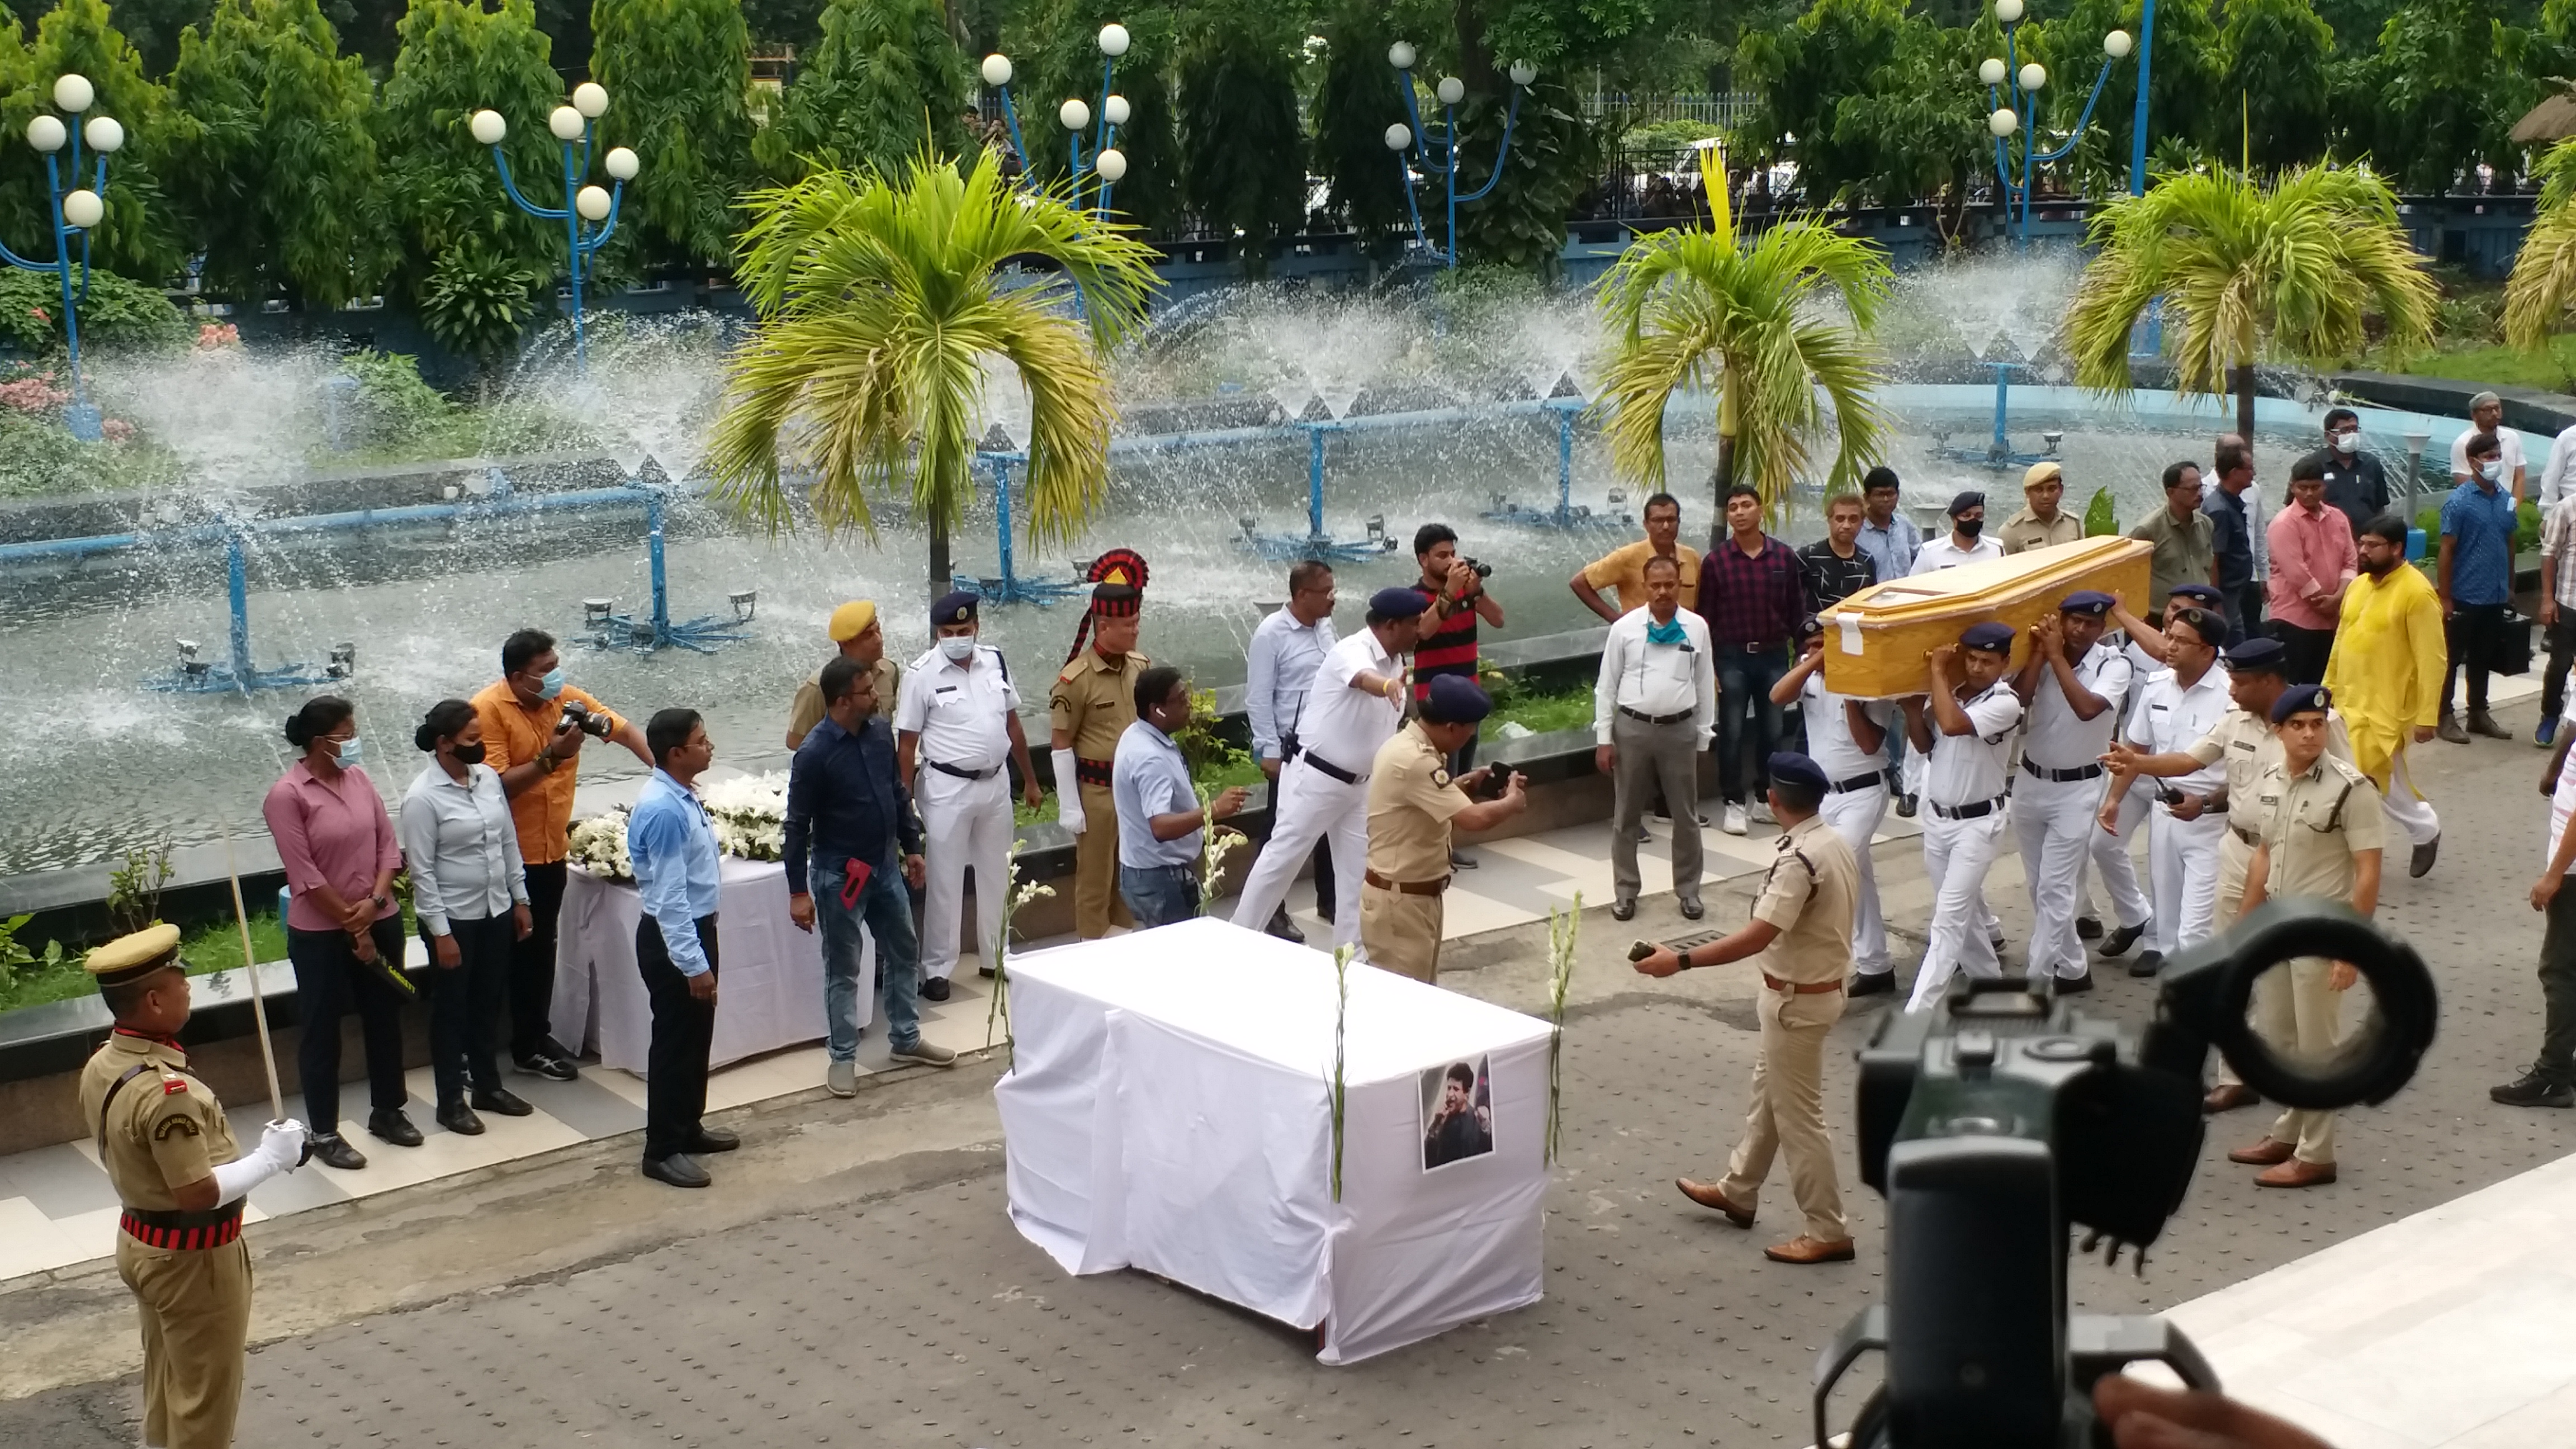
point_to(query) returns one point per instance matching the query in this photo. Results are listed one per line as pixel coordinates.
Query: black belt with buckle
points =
(1654, 719)
(2250, 837)
(962, 773)
(2063, 777)
(1966, 812)
(180, 1230)
(1856, 782)
(1329, 768)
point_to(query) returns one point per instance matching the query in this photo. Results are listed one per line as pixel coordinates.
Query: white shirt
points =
(2562, 802)
(1344, 725)
(1940, 553)
(2506, 439)
(1656, 679)
(461, 846)
(2171, 716)
(2257, 521)
(2558, 475)
(2058, 740)
(961, 711)
(1966, 769)
(1829, 738)
(1279, 667)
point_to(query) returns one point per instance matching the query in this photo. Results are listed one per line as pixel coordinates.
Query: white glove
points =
(283, 1143)
(1068, 793)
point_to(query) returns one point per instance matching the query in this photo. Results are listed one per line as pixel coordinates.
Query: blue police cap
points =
(2256, 653)
(2198, 593)
(1965, 501)
(1992, 637)
(1790, 768)
(1398, 602)
(2092, 603)
(956, 607)
(1455, 701)
(2300, 697)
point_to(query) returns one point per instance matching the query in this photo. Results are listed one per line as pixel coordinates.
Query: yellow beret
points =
(2042, 472)
(131, 958)
(852, 620)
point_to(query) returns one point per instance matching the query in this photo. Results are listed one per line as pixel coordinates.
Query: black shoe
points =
(393, 1127)
(1461, 860)
(2088, 928)
(711, 1139)
(2069, 985)
(2534, 1090)
(501, 1100)
(1284, 928)
(984, 971)
(2420, 864)
(1623, 910)
(934, 988)
(547, 1065)
(677, 1170)
(333, 1150)
(458, 1118)
(1870, 983)
(1998, 943)
(1643, 834)
(2120, 941)
(2147, 964)
(1693, 910)
(1905, 806)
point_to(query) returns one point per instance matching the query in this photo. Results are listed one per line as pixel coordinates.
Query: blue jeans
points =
(1744, 678)
(885, 908)
(1158, 895)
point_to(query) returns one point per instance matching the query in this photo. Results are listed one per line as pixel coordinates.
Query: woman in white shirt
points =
(470, 896)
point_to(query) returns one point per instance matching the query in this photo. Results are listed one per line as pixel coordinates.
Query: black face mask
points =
(1968, 527)
(469, 754)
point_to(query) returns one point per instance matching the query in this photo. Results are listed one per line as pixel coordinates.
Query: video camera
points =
(577, 716)
(2003, 1117)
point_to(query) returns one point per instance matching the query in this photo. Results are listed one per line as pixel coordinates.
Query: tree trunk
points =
(942, 576)
(1725, 479)
(2242, 380)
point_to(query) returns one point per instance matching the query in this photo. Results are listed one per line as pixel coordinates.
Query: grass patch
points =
(1569, 709)
(2495, 365)
(205, 949)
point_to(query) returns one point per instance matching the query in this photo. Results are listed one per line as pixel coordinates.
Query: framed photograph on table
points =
(1457, 1114)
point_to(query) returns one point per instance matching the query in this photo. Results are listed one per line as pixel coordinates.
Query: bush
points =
(391, 404)
(120, 315)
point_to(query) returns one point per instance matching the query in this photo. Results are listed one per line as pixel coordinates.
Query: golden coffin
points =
(1879, 642)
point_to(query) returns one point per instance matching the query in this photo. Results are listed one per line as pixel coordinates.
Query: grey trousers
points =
(1647, 756)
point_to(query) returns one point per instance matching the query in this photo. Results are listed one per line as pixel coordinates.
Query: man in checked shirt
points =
(1752, 592)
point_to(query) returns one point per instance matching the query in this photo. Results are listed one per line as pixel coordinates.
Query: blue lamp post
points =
(571, 125)
(74, 213)
(1106, 162)
(1437, 146)
(2012, 98)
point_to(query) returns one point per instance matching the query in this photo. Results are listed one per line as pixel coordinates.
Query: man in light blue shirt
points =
(673, 847)
(1891, 542)
(1279, 669)
(1161, 826)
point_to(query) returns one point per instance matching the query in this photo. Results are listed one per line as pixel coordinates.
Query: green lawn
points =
(2495, 365)
(215, 946)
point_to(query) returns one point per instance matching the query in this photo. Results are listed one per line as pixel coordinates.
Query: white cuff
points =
(235, 1179)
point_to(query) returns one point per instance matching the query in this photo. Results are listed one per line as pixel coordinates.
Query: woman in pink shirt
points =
(343, 929)
(2312, 561)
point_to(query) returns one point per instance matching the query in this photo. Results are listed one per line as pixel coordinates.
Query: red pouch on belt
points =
(854, 879)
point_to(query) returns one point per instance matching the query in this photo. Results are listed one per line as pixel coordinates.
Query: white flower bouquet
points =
(598, 845)
(749, 813)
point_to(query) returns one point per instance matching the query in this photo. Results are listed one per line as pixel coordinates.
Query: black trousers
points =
(465, 1005)
(2474, 633)
(684, 1030)
(328, 981)
(2558, 990)
(532, 964)
(2303, 652)
(2553, 680)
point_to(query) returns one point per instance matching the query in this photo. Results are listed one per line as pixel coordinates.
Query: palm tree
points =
(1695, 309)
(2544, 275)
(882, 308)
(2293, 270)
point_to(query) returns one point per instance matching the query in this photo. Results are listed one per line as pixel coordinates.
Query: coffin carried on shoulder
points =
(1879, 642)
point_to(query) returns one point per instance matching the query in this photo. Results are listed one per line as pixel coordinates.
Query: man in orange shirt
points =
(1623, 570)
(534, 726)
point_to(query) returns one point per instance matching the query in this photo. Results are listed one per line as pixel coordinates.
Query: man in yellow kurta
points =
(2386, 677)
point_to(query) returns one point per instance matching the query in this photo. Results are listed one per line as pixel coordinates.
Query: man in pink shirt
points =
(2312, 560)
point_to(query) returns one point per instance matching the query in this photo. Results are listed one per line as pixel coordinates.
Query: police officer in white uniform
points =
(2143, 645)
(1847, 738)
(957, 726)
(1355, 705)
(1965, 731)
(2176, 706)
(2073, 685)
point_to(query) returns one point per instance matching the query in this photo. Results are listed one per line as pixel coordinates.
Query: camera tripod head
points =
(2002, 1118)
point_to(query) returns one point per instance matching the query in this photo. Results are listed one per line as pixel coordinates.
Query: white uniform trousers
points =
(2110, 859)
(966, 823)
(1956, 856)
(1308, 805)
(2408, 811)
(2182, 864)
(2054, 822)
(1854, 815)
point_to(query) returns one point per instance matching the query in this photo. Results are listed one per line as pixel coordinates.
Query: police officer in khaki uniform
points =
(1801, 935)
(2323, 830)
(181, 1179)
(1413, 806)
(1093, 703)
(856, 634)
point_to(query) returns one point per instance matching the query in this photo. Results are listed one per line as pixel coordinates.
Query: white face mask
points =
(2348, 442)
(957, 648)
(2491, 470)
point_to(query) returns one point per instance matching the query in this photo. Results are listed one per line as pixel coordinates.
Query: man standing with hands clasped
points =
(1800, 936)
(673, 847)
(1653, 708)
(959, 719)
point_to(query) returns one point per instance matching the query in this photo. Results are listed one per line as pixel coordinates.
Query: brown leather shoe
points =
(1804, 1249)
(2228, 1096)
(2263, 1153)
(1707, 1196)
(2295, 1173)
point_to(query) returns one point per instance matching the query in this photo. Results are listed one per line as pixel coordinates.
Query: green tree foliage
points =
(1554, 159)
(1057, 48)
(118, 315)
(2279, 67)
(2183, 92)
(678, 74)
(1244, 148)
(1805, 72)
(1355, 101)
(156, 28)
(139, 236)
(2443, 91)
(886, 79)
(271, 163)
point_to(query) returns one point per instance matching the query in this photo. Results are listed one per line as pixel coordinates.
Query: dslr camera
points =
(2004, 1119)
(577, 716)
(1478, 567)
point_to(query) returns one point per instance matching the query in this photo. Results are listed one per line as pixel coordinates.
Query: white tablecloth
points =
(1169, 1109)
(771, 995)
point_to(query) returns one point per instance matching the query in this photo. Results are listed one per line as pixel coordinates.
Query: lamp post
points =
(74, 212)
(1076, 115)
(1410, 134)
(598, 205)
(2012, 99)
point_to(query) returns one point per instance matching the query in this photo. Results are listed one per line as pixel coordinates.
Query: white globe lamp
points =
(621, 164)
(2034, 76)
(1073, 115)
(1991, 72)
(1451, 90)
(488, 127)
(74, 93)
(591, 99)
(2008, 12)
(104, 134)
(1114, 40)
(1117, 110)
(1523, 73)
(2117, 45)
(566, 123)
(1398, 136)
(1401, 55)
(46, 133)
(83, 209)
(997, 69)
(2003, 122)
(1111, 164)
(592, 203)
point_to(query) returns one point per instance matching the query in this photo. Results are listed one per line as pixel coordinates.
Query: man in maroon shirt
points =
(1752, 592)
(1458, 600)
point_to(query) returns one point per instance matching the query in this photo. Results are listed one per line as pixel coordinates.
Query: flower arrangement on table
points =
(598, 845)
(748, 814)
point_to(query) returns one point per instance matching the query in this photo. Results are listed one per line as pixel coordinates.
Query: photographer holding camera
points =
(1455, 585)
(534, 726)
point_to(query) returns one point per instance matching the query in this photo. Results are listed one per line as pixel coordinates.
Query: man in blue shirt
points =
(1161, 826)
(2476, 583)
(673, 848)
(847, 816)
(1891, 543)
(1279, 671)
(2232, 537)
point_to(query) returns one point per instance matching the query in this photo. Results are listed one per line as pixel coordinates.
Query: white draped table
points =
(771, 994)
(1169, 1109)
